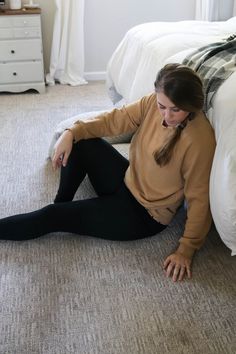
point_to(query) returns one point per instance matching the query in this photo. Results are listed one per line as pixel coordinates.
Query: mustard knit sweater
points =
(161, 190)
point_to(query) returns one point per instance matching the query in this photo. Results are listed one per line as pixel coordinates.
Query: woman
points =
(170, 160)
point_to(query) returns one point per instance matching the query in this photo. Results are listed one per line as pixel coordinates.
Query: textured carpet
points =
(67, 294)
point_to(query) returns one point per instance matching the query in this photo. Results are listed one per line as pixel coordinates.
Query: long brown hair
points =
(184, 88)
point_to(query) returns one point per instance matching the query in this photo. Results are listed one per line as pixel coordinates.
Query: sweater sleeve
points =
(113, 123)
(196, 173)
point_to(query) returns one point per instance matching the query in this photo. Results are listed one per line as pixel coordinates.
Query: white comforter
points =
(147, 47)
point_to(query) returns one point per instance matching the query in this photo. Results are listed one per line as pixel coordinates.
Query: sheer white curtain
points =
(207, 10)
(215, 10)
(67, 53)
(234, 8)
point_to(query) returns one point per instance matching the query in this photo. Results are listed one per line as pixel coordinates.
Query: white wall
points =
(106, 22)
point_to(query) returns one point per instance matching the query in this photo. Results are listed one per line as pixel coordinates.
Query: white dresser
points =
(21, 51)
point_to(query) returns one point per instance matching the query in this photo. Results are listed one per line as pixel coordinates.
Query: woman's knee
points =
(53, 216)
(52, 211)
(87, 147)
(84, 143)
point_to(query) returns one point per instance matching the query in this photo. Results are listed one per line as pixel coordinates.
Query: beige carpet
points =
(67, 294)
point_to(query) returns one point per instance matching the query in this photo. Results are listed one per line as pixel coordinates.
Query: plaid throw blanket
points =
(214, 63)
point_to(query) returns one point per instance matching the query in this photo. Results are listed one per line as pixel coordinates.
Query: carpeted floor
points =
(67, 294)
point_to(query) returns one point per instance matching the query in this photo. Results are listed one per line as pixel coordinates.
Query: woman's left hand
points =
(177, 266)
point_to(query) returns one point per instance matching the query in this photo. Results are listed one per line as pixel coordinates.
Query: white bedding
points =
(147, 47)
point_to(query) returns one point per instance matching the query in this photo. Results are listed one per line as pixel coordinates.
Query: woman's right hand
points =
(62, 149)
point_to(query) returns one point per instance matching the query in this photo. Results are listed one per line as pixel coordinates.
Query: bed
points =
(131, 73)
(147, 47)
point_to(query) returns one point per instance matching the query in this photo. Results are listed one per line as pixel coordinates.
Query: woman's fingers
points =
(65, 159)
(175, 271)
(62, 149)
(189, 273)
(176, 266)
(57, 159)
(181, 273)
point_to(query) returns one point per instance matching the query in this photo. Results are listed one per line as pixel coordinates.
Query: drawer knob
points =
(14, 73)
(12, 51)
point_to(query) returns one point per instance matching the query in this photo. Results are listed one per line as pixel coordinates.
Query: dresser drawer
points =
(6, 22)
(6, 33)
(20, 21)
(26, 21)
(11, 33)
(31, 32)
(21, 72)
(20, 50)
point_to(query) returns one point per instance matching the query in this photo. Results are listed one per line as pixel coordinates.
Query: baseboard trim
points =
(95, 75)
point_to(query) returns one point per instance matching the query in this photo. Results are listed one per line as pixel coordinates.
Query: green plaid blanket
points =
(214, 63)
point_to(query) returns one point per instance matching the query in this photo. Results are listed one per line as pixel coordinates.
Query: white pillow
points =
(179, 57)
(223, 188)
(119, 139)
(68, 123)
(226, 28)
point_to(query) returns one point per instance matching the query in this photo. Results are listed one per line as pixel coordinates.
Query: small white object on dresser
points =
(21, 51)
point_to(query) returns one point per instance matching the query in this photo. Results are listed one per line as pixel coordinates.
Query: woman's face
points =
(172, 115)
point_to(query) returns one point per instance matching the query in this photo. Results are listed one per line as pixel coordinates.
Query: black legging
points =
(115, 214)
